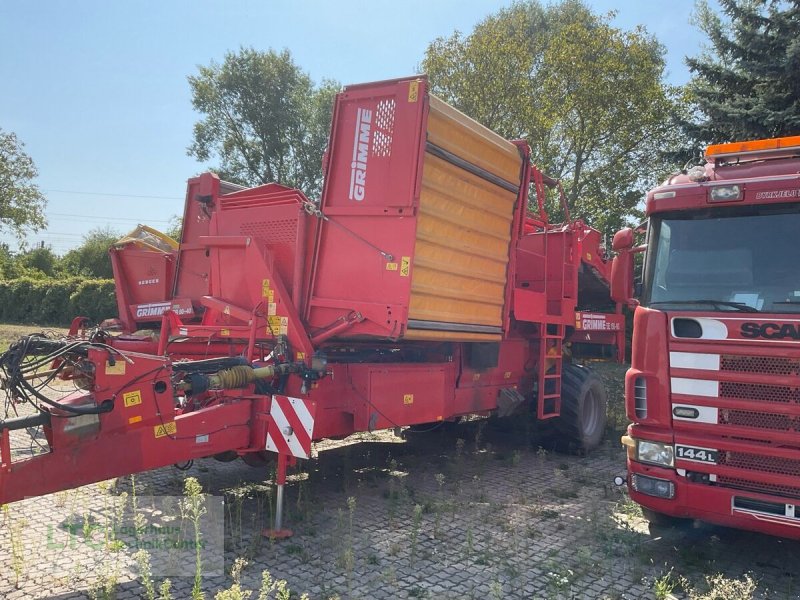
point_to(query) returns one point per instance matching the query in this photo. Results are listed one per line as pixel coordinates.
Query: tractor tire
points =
(582, 423)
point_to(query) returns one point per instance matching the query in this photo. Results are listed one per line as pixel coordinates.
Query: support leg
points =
(278, 532)
(5, 451)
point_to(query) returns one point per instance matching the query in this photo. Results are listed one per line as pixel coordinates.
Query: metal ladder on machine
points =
(551, 358)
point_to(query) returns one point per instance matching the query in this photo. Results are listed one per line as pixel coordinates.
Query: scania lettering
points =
(770, 331)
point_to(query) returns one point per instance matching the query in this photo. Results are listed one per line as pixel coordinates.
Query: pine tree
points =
(747, 86)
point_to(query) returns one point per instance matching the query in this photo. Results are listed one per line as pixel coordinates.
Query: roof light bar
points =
(753, 146)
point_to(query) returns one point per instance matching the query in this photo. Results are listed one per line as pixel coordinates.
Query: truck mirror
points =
(622, 276)
(623, 240)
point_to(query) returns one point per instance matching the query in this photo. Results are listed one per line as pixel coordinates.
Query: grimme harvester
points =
(418, 289)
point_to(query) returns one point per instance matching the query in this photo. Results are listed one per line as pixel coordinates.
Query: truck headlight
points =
(655, 453)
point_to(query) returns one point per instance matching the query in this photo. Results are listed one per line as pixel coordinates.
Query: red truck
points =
(714, 386)
(425, 284)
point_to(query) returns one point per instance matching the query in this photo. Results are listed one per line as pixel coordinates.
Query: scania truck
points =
(713, 391)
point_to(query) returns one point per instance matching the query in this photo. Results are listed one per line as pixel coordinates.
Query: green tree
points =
(263, 119)
(90, 259)
(41, 262)
(746, 85)
(588, 97)
(21, 203)
(175, 228)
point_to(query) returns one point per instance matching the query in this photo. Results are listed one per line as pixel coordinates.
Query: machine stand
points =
(278, 532)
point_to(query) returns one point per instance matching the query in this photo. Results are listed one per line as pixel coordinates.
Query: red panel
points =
(193, 264)
(370, 193)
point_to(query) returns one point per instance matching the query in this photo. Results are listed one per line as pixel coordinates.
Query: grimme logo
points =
(358, 168)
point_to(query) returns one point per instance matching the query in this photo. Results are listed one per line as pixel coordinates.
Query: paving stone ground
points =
(467, 511)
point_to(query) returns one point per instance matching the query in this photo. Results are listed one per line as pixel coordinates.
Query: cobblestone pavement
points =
(468, 511)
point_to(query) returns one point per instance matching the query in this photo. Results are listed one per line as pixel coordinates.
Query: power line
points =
(72, 216)
(112, 194)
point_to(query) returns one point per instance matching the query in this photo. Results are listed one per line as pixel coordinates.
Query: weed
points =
(664, 585)
(142, 558)
(469, 543)
(479, 435)
(193, 507)
(460, 447)
(417, 520)
(724, 588)
(496, 590)
(559, 577)
(15, 529)
(235, 592)
(165, 590)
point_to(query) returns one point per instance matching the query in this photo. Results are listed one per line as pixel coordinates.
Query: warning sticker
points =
(408, 398)
(272, 308)
(132, 398)
(405, 266)
(391, 266)
(166, 429)
(265, 288)
(413, 91)
(278, 325)
(136, 419)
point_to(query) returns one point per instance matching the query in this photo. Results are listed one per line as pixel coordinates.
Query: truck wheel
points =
(583, 409)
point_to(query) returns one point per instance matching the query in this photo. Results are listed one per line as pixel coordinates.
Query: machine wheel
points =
(583, 410)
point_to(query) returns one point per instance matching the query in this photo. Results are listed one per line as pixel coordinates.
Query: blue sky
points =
(97, 90)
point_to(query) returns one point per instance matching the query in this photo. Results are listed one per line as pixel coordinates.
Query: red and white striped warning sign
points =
(291, 426)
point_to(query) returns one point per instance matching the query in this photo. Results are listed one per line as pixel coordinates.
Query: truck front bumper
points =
(714, 504)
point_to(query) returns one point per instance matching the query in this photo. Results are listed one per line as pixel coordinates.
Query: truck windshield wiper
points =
(740, 306)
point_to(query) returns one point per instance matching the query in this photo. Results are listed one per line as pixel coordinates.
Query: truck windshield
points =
(732, 259)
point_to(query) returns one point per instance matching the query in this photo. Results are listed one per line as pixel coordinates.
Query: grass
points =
(11, 333)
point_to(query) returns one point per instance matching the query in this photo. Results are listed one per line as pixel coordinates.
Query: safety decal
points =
(291, 426)
(133, 398)
(166, 429)
(405, 265)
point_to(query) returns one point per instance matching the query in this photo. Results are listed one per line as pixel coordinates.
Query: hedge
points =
(56, 301)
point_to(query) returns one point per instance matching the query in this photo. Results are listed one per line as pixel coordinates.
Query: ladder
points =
(550, 362)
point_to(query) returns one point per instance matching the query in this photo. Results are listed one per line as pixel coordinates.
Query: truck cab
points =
(713, 391)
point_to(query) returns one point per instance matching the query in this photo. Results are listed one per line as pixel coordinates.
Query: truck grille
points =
(758, 420)
(761, 464)
(768, 365)
(764, 424)
(759, 392)
(775, 489)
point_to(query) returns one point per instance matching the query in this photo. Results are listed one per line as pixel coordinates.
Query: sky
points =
(97, 90)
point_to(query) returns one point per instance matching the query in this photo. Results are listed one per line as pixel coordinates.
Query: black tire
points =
(582, 423)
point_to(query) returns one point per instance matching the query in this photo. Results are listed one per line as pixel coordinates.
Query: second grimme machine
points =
(421, 287)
